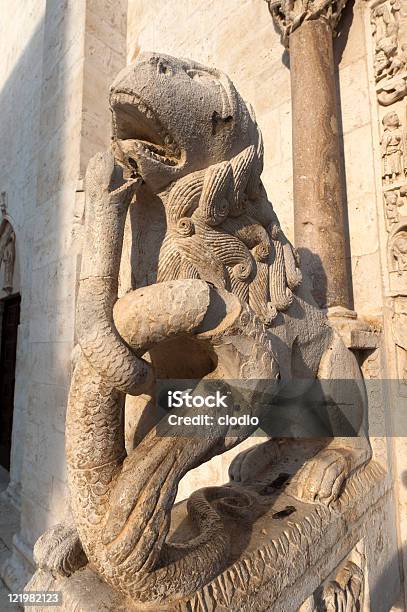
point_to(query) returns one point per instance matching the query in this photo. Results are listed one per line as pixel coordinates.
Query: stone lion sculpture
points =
(217, 294)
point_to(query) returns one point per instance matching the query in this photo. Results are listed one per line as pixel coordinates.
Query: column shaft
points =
(319, 214)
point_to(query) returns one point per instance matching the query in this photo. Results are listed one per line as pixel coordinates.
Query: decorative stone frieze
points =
(388, 22)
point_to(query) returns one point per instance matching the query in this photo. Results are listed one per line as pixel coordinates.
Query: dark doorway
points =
(11, 319)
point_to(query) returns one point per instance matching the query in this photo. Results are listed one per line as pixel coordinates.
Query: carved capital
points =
(288, 15)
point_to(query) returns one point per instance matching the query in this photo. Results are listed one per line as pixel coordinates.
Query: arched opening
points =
(9, 320)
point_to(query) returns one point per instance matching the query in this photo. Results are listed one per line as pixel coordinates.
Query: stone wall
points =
(60, 59)
(20, 97)
(44, 126)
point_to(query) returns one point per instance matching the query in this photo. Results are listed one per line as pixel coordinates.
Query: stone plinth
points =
(283, 552)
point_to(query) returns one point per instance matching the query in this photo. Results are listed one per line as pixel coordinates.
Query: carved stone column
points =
(307, 28)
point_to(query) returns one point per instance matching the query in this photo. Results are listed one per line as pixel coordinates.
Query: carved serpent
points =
(124, 499)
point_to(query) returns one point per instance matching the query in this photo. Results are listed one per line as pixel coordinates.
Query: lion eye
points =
(200, 75)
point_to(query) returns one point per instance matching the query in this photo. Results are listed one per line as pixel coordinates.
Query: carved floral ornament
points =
(288, 15)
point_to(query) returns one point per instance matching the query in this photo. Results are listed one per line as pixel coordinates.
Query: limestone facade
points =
(57, 56)
(57, 62)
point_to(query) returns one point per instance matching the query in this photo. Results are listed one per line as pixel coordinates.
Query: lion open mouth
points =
(139, 131)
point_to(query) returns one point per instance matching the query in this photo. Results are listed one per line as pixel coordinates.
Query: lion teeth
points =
(168, 153)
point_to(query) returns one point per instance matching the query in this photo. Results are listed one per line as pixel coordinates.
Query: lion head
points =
(186, 130)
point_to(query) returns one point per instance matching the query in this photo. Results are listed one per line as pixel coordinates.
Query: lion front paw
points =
(59, 550)
(321, 478)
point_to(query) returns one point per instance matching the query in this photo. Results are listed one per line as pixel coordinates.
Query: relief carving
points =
(3, 203)
(397, 254)
(399, 326)
(392, 144)
(390, 52)
(344, 589)
(345, 592)
(385, 26)
(226, 302)
(389, 28)
(392, 91)
(7, 256)
(392, 203)
(399, 329)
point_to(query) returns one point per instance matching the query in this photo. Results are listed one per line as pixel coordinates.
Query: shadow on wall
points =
(311, 264)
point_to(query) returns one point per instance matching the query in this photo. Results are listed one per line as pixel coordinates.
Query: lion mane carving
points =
(226, 301)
